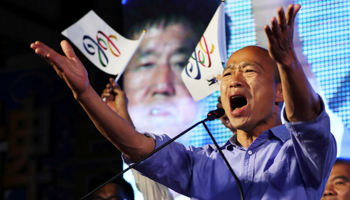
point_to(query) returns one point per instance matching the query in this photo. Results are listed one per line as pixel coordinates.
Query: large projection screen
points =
(322, 44)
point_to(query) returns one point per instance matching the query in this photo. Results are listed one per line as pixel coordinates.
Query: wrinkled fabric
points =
(290, 161)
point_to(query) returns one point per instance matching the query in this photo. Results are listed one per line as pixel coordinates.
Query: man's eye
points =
(339, 183)
(146, 65)
(249, 70)
(180, 65)
(227, 74)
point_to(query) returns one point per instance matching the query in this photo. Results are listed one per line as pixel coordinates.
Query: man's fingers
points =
(290, 15)
(276, 28)
(219, 99)
(107, 90)
(106, 94)
(57, 60)
(117, 86)
(296, 10)
(269, 34)
(40, 49)
(50, 55)
(118, 90)
(219, 105)
(67, 49)
(111, 81)
(281, 18)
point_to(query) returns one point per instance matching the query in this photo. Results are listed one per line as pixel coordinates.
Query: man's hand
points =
(280, 36)
(116, 99)
(301, 101)
(68, 67)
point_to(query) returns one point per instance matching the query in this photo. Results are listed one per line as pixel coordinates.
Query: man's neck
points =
(246, 138)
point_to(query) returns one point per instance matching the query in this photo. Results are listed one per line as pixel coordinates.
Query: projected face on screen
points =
(159, 101)
(322, 47)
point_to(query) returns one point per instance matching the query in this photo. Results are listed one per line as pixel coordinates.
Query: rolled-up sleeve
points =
(171, 169)
(315, 147)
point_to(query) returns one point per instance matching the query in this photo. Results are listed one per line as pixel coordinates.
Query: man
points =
(273, 161)
(338, 185)
(118, 189)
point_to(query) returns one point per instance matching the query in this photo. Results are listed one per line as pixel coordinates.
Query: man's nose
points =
(163, 80)
(237, 80)
(329, 191)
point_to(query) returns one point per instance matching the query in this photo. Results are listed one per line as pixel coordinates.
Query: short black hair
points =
(196, 13)
(137, 14)
(103, 177)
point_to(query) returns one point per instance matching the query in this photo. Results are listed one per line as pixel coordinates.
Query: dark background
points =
(49, 148)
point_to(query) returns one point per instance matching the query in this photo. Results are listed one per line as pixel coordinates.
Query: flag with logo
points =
(104, 47)
(205, 66)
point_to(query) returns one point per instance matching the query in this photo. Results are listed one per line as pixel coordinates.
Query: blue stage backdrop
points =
(322, 43)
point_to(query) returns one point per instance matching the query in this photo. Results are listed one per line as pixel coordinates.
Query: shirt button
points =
(250, 152)
(246, 181)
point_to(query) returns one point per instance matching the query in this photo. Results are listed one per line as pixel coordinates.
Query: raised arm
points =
(121, 133)
(301, 101)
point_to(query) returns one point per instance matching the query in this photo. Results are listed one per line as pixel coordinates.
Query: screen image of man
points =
(152, 80)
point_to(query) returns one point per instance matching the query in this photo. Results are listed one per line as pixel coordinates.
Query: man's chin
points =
(161, 126)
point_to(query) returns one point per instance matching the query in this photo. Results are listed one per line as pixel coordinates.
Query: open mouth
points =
(237, 102)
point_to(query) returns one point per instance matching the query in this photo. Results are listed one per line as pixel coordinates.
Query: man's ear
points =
(279, 93)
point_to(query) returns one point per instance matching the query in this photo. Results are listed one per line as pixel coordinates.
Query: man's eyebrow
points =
(228, 67)
(341, 177)
(244, 64)
(151, 51)
(147, 52)
(241, 65)
(182, 50)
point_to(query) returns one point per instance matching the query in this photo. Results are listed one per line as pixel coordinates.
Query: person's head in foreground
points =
(118, 189)
(251, 90)
(338, 184)
(158, 99)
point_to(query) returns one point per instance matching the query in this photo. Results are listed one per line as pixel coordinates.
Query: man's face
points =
(338, 184)
(158, 99)
(109, 192)
(248, 88)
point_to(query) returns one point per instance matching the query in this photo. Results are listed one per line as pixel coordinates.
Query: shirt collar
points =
(280, 132)
(232, 142)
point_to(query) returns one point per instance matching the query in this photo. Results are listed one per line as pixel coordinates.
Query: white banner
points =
(104, 47)
(206, 63)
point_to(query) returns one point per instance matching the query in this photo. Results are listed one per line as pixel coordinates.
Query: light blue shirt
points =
(291, 161)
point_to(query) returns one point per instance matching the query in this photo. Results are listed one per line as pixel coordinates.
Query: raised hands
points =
(301, 101)
(116, 99)
(68, 67)
(280, 35)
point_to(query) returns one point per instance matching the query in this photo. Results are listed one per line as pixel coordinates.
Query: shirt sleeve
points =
(314, 146)
(173, 170)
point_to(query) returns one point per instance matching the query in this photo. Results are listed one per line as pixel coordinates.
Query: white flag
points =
(104, 47)
(206, 62)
